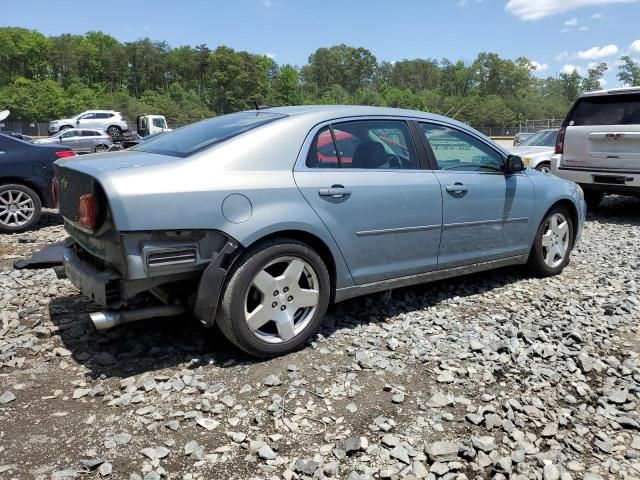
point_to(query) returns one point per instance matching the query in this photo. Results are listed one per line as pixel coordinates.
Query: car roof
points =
(612, 91)
(330, 112)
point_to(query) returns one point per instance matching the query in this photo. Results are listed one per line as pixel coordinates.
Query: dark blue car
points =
(26, 171)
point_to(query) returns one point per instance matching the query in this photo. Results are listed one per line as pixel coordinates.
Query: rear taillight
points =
(54, 192)
(560, 140)
(87, 211)
(65, 153)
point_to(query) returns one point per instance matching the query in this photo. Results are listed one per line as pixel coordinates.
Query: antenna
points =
(255, 103)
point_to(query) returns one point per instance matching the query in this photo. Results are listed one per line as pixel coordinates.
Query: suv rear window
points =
(193, 138)
(606, 110)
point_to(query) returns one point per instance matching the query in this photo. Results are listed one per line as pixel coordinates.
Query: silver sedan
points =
(81, 140)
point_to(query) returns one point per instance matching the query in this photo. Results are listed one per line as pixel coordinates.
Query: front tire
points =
(20, 208)
(544, 167)
(553, 243)
(276, 297)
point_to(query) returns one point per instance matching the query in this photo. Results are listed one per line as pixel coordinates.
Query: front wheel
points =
(275, 298)
(20, 208)
(544, 167)
(553, 243)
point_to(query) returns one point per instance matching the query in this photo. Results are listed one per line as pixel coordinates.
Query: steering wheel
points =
(399, 161)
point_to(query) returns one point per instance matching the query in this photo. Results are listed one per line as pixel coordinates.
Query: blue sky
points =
(557, 34)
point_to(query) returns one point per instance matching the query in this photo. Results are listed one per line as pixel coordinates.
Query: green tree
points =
(570, 85)
(285, 86)
(350, 68)
(629, 71)
(592, 81)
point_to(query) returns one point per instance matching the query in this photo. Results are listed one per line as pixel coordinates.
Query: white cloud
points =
(568, 69)
(270, 55)
(562, 56)
(597, 16)
(635, 46)
(603, 83)
(532, 10)
(584, 28)
(598, 52)
(539, 67)
(268, 3)
(466, 3)
(571, 23)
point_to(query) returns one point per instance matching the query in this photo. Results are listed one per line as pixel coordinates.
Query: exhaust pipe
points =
(112, 318)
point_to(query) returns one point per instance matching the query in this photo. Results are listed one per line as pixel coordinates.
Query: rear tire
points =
(20, 208)
(114, 131)
(593, 199)
(553, 243)
(64, 127)
(275, 298)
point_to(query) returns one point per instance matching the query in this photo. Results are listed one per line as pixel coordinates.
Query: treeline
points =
(42, 78)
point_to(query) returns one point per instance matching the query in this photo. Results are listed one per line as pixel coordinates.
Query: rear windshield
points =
(606, 110)
(193, 138)
(545, 138)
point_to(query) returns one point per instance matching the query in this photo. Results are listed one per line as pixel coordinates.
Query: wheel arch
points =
(26, 183)
(312, 241)
(573, 211)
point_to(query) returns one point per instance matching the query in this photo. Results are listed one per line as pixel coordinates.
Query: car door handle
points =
(457, 188)
(336, 191)
(2, 153)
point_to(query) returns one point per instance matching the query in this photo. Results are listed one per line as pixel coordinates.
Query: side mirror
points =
(60, 139)
(78, 122)
(514, 164)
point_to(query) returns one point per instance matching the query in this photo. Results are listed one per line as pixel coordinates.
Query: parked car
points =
(18, 135)
(242, 221)
(537, 150)
(598, 146)
(26, 171)
(80, 140)
(111, 122)
(520, 137)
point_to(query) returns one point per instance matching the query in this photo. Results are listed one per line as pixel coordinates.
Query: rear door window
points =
(606, 110)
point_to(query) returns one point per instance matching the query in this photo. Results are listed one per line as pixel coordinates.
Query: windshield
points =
(188, 140)
(545, 138)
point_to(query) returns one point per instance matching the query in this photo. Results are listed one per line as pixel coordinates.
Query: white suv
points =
(111, 122)
(598, 146)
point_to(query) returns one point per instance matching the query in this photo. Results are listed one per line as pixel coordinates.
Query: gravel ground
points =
(496, 375)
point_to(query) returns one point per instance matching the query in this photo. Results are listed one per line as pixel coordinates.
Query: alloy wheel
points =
(282, 299)
(555, 240)
(544, 168)
(16, 208)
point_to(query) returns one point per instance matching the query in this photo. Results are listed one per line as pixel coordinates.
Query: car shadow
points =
(151, 345)
(617, 210)
(139, 347)
(48, 218)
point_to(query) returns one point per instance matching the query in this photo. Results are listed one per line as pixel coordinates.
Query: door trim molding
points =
(487, 222)
(385, 231)
(356, 291)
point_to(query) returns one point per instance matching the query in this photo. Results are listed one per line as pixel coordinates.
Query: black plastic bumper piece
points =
(211, 283)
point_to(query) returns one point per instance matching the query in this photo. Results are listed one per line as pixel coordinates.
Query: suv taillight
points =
(560, 140)
(87, 211)
(54, 192)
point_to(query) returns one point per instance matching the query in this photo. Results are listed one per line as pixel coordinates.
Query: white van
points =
(598, 146)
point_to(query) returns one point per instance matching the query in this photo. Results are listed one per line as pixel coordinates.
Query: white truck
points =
(598, 146)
